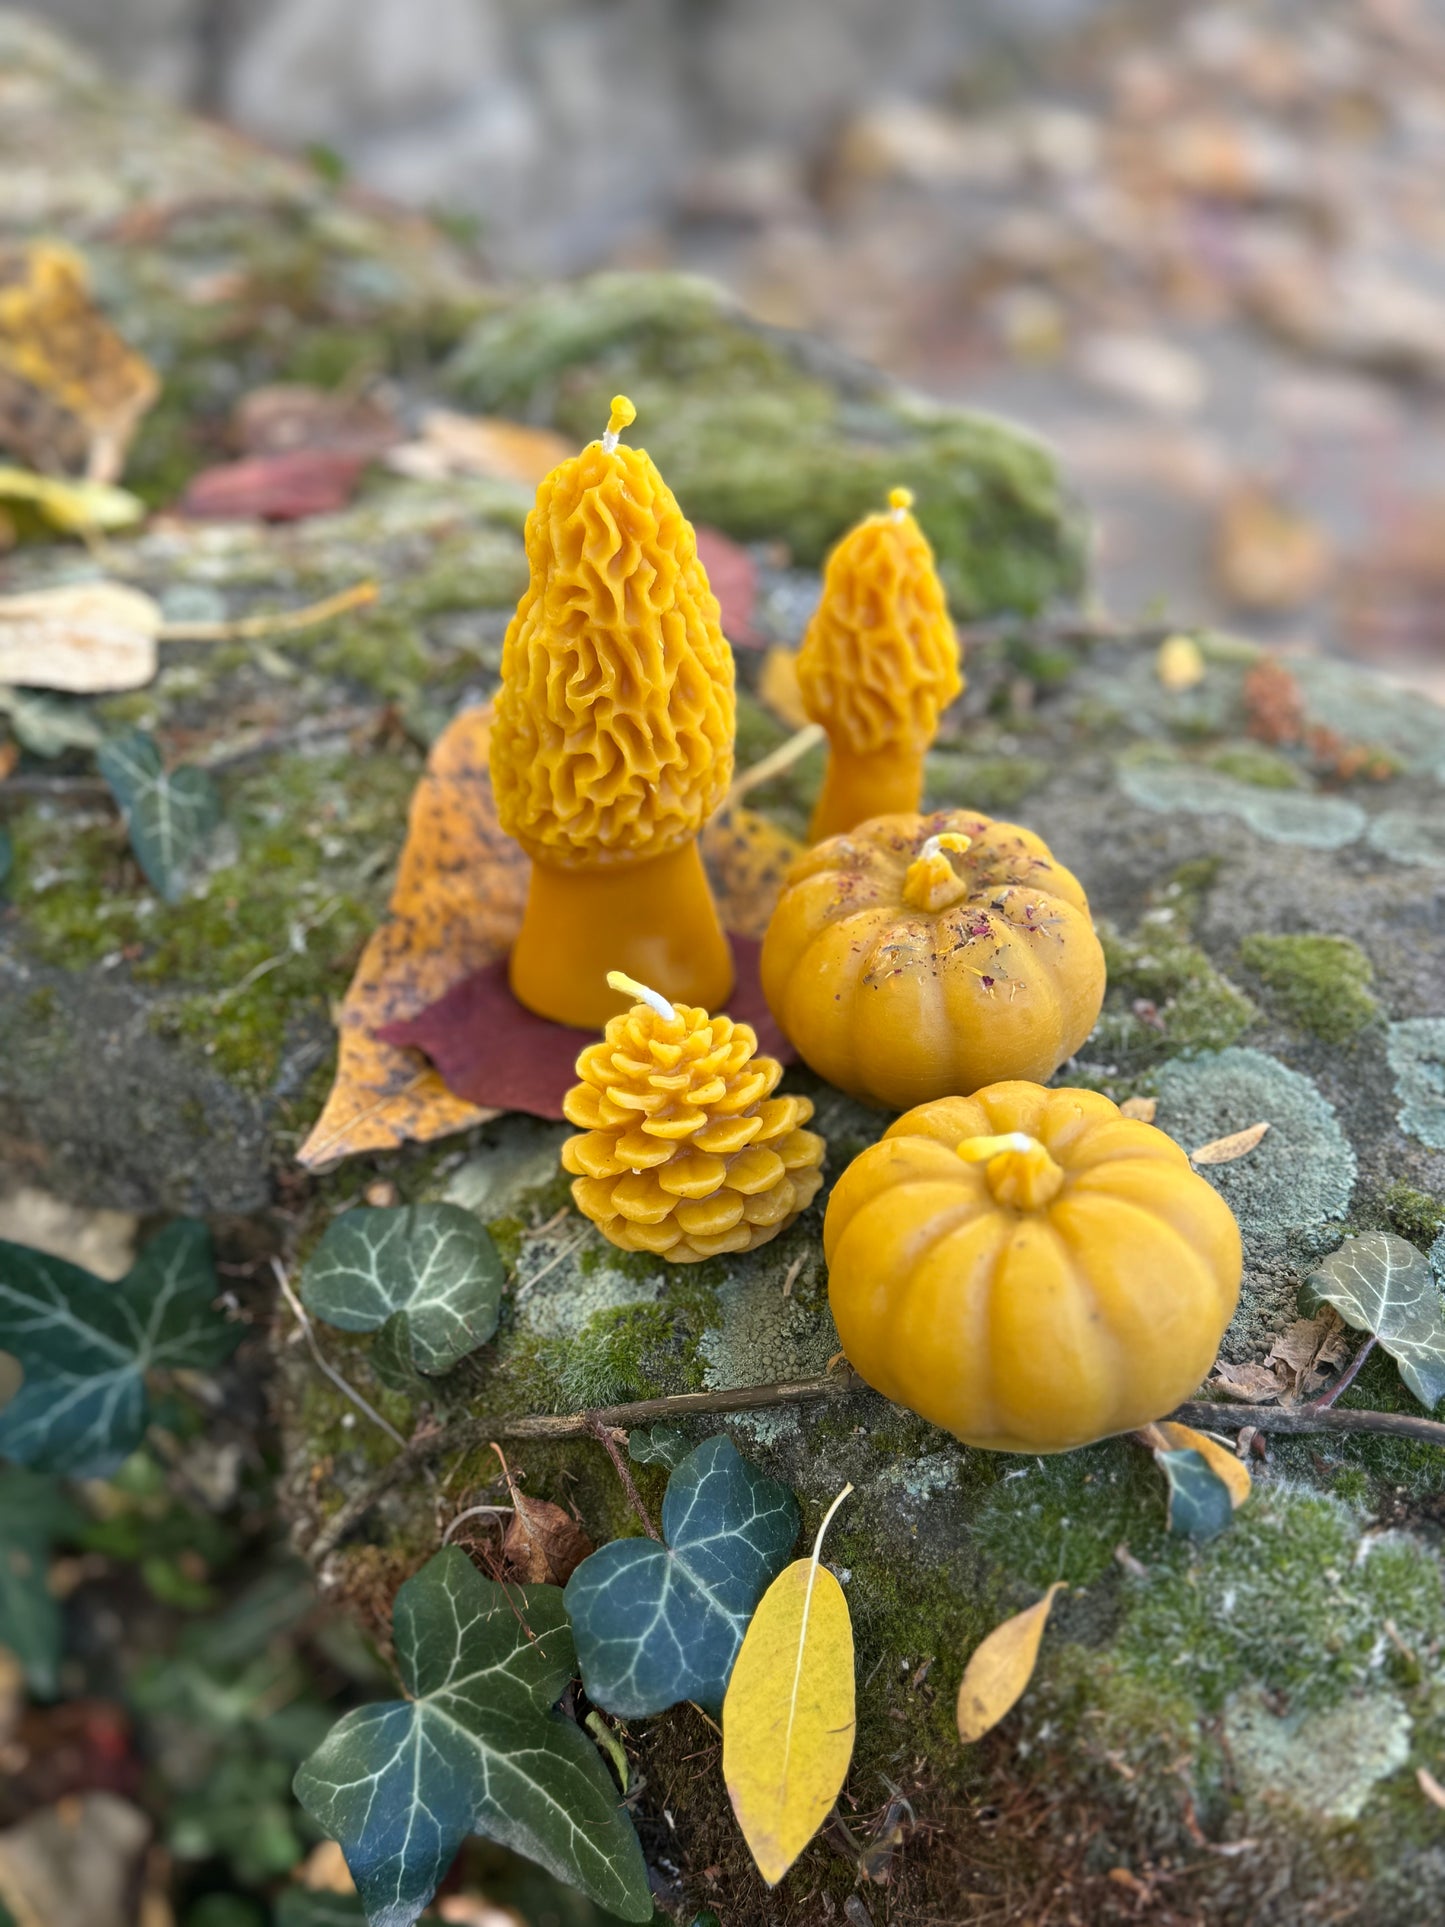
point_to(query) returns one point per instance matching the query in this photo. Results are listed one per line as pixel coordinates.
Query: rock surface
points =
(1234, 1727)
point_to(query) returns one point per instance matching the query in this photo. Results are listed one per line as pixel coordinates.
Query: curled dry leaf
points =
(788, 1717)
(457, 905)
(1250, 1382)
(1001, 1667)
(1430, 1786)
(1142, 1109)
(542, 1545)
(1222, 1462)
(71, 390)
(87, 638)
(1225, 1150)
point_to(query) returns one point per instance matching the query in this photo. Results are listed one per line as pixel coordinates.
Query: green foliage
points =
(299, 1908)
(432, 1268)
(476, 1747)
(665, 1445)
(1195, 1007)
(34, 1513)
(170, 815)
(1199, 1502)
(1414, 1214)
(657, 1623)
(87, 1346)
(993, 784)
(1265, 768)
(1382, 1284)
(1320, 983)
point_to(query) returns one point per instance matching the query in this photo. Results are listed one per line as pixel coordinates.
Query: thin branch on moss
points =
(604, 1438)
(750, 1398)
(323, 1364)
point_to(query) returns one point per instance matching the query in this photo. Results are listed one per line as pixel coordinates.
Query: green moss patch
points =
(1320, 984)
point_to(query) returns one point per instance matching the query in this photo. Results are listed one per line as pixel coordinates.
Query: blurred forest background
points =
(1200, 247)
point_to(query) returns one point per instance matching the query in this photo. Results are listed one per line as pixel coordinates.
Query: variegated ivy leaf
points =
(654, 1623)
(1199, 1501)
(1380, 1283)
(169, 814)
(475, 1747)
(85, 1346)
(431, 1267)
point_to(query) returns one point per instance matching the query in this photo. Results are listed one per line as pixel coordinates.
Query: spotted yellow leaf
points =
(1001, 1667)
(1224, 1150)
(788, 1715)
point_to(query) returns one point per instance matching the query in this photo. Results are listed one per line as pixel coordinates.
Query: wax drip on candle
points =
(623, 415)
(931, 882)
(1019, 1171)
(629, 986)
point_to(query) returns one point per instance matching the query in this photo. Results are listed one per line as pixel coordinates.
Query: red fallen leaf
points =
(275, 488)
(734, 578)
(492, 1052)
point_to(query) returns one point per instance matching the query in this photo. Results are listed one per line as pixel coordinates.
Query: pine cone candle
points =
(684, 1150)
(879, 661)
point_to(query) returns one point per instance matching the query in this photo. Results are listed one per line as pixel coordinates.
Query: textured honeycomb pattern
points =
(614, 726)
(684, 1150)
(880, 658)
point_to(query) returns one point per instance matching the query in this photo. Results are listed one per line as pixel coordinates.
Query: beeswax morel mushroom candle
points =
(684, 1150)
(613, 739)
(878, 663)
(1029, 1269)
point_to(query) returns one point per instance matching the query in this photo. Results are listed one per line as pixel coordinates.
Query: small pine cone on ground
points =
(684, 1150)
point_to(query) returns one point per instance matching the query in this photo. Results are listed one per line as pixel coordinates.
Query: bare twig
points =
(477, 1512)
(604, 1438)
(349, 1391)
(286, 622)
(749, 1398)
(776, 761)
(1347, 1377)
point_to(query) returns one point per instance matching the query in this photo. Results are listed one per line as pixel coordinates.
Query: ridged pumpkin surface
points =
(903, 972)
(1030, 1300)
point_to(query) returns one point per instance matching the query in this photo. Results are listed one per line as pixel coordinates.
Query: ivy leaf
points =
(654, 1623)
(1199, 1501)
(49, 725)
(86, 1345)
(1380, 1283)
(169, 815)
(433, 1267)
(661, 1445)
(33, 1512)
(304, 1907)
(476, 1747)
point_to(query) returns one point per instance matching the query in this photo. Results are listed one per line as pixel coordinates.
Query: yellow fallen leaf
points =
(1142, 1109)
(788, 1716)
(452, 444)
(747, 857)
(71, 390)
(457, 905)
(1179, 665)
(74, 508)
(88, 637)
(1231, 1471)
(779, 688)
(1001, 1667)
(1224, 1150)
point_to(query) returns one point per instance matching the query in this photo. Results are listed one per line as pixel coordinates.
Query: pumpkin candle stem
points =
(931, 883)
(1019, 1171)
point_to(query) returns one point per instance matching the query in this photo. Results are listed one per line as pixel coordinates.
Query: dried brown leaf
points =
(88, 638)
(1251, 1383)
(1225, 1150)
(1142, 1109)
(543, 1545)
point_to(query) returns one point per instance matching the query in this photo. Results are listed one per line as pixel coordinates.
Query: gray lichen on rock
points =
(1416, 1051)
(1313, 822)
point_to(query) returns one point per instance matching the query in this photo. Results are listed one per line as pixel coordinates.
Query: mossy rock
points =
(770, 437)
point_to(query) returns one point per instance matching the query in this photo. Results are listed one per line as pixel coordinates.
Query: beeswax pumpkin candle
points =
(1030, 1269)
(684, 1149)
(878, 663)
(927, 955)
(613, 739)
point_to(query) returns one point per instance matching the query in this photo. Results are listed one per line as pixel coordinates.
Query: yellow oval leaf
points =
(1001, 1667)
(87, 637)
(1232, 1472)
(1179, 664)
(1224, 1150)
(788, 1714)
